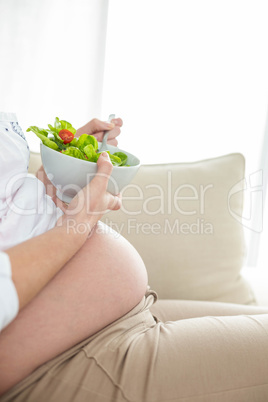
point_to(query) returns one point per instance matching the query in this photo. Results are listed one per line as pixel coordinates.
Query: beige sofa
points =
(184, 219)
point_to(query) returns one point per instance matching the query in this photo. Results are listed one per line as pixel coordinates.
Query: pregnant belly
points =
(121, 265)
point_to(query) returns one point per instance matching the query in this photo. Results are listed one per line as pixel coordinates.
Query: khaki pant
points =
(141, 359)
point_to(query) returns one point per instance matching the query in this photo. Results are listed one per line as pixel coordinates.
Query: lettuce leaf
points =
(74, 152)
(86, 139)
(114, 159)
(54, 132)
(43, 135)
(90, 153)
(38, 130)
(63, 125)
(122, 156)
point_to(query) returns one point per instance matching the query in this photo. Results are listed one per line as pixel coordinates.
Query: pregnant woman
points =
(88, 328)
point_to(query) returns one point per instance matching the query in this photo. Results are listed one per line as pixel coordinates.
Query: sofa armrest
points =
(35, 162)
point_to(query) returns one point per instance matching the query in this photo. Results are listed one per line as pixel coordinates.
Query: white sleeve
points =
(14, 158)
(9, 302)
(25, 208)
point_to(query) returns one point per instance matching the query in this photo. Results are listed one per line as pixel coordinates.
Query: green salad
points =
(61, 138)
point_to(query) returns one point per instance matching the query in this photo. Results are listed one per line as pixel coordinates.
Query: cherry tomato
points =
(66, 136)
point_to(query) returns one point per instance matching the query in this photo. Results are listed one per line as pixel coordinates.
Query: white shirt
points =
(25, 209)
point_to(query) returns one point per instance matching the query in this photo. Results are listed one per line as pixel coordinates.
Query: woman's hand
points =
(89, 205)
(97, 128)
(50, 188)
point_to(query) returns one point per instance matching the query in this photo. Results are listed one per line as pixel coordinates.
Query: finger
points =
(99, 136)
(60, 204)
(113, 142)
(112, 134)
(99, 125)
(114, 202)
(94, 126)
(118, 122)
(104, 171)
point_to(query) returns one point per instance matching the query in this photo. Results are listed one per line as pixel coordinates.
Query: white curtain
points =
(52, 60)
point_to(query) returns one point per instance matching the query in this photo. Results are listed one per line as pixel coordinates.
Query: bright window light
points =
(190, 79)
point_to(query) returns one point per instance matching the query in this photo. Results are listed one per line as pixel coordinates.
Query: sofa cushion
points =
(183, 219)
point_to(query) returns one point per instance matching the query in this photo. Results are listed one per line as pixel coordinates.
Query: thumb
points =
(114, 202)
(104, 170)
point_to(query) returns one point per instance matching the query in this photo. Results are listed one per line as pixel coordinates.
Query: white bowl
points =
(69, 174)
